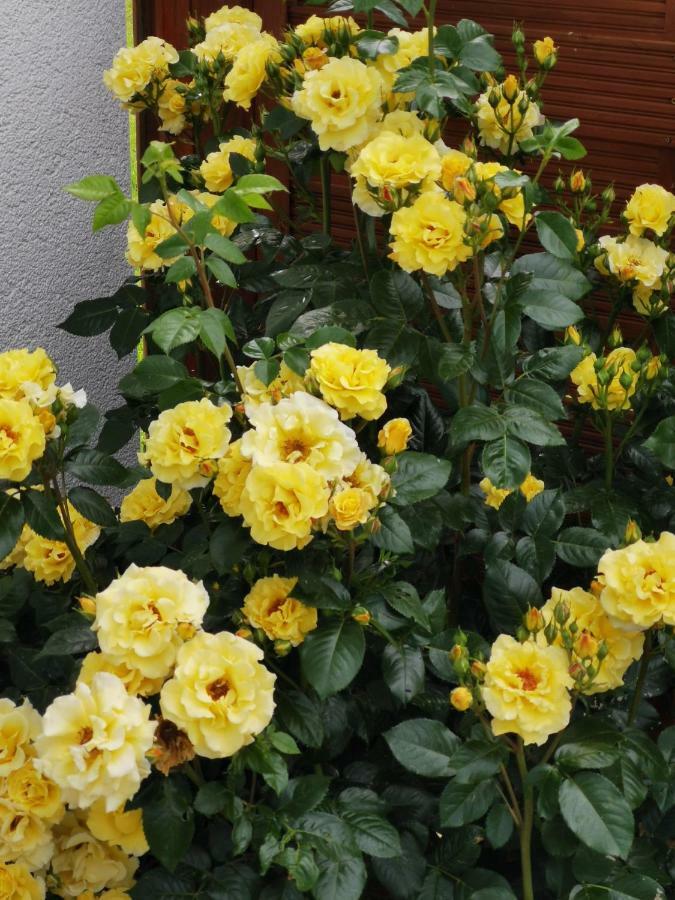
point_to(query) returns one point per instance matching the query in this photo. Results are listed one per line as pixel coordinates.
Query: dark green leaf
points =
(418, 476)
(557, 234)
(332, 655)
(70, 642)
(581, 547)
(597, 813)
(11, 523)
(95, 467)
(506, 462)
(461, 804)
(662, 442)
(42, 515)
(393, 535)
(508, 592)
(403, 671)
(423, 746)
(476, 423)
(92, 506)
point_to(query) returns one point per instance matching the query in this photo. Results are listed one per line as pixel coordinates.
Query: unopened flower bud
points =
(464, 191)
(545, 52)
(510, 88)
(652, 368)
(523, 105)
(457, 652)
(616, 337)
(88, 606)
(361, 615)
(282, 648)
(518, 36)
(577, 671)
(572, 335)
(478, 669)
(577, 181)
(533, 619)
(559, 184)
(586, 646)
(562, 612)
(625, 380)
(550, 632)
(596, 587)
(522, 634)
(609, 194)
(245, 633)
(494, 99)
(632, 532)
(603, 650)
(461, 699)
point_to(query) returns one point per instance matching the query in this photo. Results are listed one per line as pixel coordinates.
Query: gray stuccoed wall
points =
(58, 124)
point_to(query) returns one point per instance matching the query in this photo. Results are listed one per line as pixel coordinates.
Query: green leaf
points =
(222, 272)
(95, 467)
(395, 294)
(535, 395)
(266, 370)
(634, 887)
(455, 360)
(70, 642)
(662, 442)
(301, 715)
(212, 798)
(174, 246)
(404, 598)
(297, 360)
(469, 44)
(42, 515)
(595, 810)
(323, 592)
(544, 514)
(373, 834)
(478, 759)
(227, 545)
(232, 207)
(169, 825)
(268, 763)
(11, 523)
(476, 423)
(418, 476)
(589, 744)
(332, 655)
(394, 535)
(550, 277)
(127, 330)
(182, 270)
(153, 375)
(340, 879)
(141, 217)
(215, 328)
(556, 234)
(111, 211)
(91, 317)
(581, 547)
(303, 794)
(423, 746)
(92, 506)
(403, 671)
(461, 804)
(258, 184)
(532, 427)
(259, 348)
(225, 248)
(284, 743)
(554, 363)
(506, 462)
(499, 825)
(552, 311)
(174, 328)
(508, 592)
(372, 44)
(93, 187)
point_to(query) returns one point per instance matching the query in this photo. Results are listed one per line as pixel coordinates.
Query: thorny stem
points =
(431, 19)
(324, 169)
(69, 538)
(640, 683)
(526, 825)
(360, 241)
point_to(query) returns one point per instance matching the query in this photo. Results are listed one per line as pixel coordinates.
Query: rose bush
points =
(387, 605)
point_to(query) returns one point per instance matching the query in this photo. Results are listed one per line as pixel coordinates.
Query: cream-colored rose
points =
(351, 380)
(24, 837)
(235, 15)
(133, 680)
(394, 162)
(371, 478)
(32, 792)
(350, 507)
(134, 68)
(144, 616)
(17, 883)
(633, 259)
(19, 725)
(120, 828)
(94, 743)
(249, 70)
(220, 694)
(229, 483)
(394, 436)
(270, 606)
(228, 39)
(51, 561)
(143, 504)
(256, 391)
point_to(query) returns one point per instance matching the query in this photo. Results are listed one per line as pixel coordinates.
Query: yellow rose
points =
(133, 68)
(256, 391)
(623, 647)
(17, 883)
(394, 436)
(171, 106)
(638, 583)
(301, 429)
(411, 46)
(405, 122)
(19, 725)
(461, 699)
(634, 259)
(132, 679)
(454, 164)
(650, 208)
(342, 101)
(141, 249)
(429, 235)
(370, 478)
(216, 169)
(81, 863)
(280, 504)
(123, 829)
(648, 301)
(351, 380)
(145, 615)
(236, 15)
(32, 792)
(22, 439)
(228, 39)
(394, 162)
(531, 487)
(182, 439)
(94, 742)
(365, 199)
(24, 837)
(614, 396)
(494, 496)
(526, 689)
(314, 29)
(505, 127)
(220, 694)
(544, 50)
(270, 606)
(145, 505)
(350, 507)
(51, 561)
(229, 483)
(249, 70)
(18, 367)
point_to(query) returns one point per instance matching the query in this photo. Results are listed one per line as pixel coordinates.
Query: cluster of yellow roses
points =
(579, 640)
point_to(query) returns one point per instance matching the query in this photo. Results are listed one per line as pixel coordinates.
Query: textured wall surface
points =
(58, 124)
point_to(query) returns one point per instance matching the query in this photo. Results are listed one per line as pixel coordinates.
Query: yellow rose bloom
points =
(370, 478)
(133, 680)
(392, 161)
(82, 863)
(506, 127)
(454, 164)
(301, 429)
(236, 15)
(229, 483)
(429, 235)
(51, 561)
(133, 68)
(351, 380)
(364, 199)
(144, 504)
(623, 647)
(280, 504)
(648, 301)
(638, 583)
(18, 367)
(531, 486)
(144, 616)
(19, 725)
(350, 507)
(17, 883)
(270, 606)
(394, 436)
(120, 828)
(220, 694)
(24, 837)
(650, 208)
(32, 792)
(544, 50)
(171, 106)
(185, 438)
(216, 169)
(615, 397)
(228, 39)
(634, 259)
(494, 496)
(22, 439)
(411, 46)
(94, 743)
(314, 29)
(141, 249)
(342, 101)
(256, 391)
(404, 122)
(526, 689)
(249, 71)
(461, 699)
